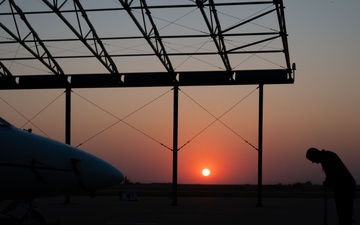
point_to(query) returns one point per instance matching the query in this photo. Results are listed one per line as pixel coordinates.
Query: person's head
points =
(313, 155)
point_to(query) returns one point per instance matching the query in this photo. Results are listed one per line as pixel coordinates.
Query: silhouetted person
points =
(340, 179)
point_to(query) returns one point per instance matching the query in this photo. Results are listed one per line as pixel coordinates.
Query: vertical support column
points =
(175, 144)
(68, 116)
(67, 126)
(260, 149)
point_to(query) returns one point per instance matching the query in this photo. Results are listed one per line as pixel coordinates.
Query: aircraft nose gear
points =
(75, 163)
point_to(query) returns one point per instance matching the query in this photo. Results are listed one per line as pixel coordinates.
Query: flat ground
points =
(157, 210)
(108, 210)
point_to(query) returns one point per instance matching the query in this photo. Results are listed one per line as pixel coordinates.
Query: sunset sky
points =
(321, 109)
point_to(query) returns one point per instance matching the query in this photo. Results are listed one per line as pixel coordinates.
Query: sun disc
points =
(205, 172)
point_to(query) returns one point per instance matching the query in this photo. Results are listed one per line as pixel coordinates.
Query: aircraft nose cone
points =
(99, 174)
(108, 176)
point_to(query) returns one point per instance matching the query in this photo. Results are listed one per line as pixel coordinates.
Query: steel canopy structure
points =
(72, 32)
(66, 44)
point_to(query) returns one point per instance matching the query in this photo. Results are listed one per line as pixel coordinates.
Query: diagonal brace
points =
(216, 33)
(151, 35)
(99, 50)
(282, 25)
(41, 53)
(4, 71)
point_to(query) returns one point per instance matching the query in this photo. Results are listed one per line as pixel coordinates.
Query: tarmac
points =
(158, 210)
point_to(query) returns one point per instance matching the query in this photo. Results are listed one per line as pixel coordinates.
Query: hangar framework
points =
(139, 43)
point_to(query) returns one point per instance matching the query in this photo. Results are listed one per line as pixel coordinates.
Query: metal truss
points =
(282, 25)
(99, 50)
(41, 52)
(214, 27)
(151, 34)
(230, 43)
(4, 71)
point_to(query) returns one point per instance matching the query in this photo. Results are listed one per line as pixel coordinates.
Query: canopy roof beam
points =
(214, 27)
(4, 71)
(98, 50)
(41, 52)
(281, 18)
(150, 34)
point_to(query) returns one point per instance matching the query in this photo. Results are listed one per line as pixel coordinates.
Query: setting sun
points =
(205, 172)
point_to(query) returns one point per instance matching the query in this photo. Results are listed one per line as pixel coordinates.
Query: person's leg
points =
(344, 201)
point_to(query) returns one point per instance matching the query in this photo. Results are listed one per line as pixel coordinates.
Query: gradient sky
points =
(320, 109)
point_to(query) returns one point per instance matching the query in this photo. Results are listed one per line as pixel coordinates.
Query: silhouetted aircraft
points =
(32, 166)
